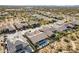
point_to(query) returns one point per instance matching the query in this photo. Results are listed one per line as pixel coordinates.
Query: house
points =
(34, 24)
(21, 26)
(47, 30)
(39, 39)
(18, 44)
(69, 25)
(60, 26)
(75, 22)
(11, 29)
(8, 29)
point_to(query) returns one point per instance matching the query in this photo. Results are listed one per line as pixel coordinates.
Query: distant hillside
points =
(32, 6)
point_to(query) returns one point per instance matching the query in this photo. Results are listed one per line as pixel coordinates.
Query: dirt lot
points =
(69, 43)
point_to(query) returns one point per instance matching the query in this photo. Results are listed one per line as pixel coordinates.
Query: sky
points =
(39, 2)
